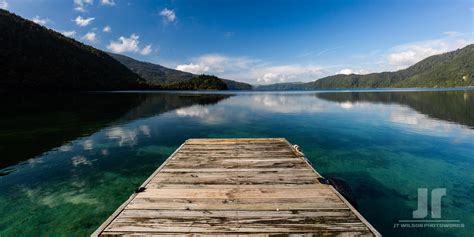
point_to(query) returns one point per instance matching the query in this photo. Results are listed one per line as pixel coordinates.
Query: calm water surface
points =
(67, 162)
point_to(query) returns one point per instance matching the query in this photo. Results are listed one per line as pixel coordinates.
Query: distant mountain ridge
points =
(451, 69)
(152, 73)
(158, 75)
(34, 57)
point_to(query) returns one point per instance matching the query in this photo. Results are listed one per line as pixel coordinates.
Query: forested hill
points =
(452, 69)
(153, 73)
(34, 57)
(158, 75)
(201, 82)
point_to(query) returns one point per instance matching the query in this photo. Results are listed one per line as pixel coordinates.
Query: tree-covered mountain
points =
(452, 69)
(158, 75)
(153, 73)
(236, 85)
(34, 57)
(201, 82)
(285, 86)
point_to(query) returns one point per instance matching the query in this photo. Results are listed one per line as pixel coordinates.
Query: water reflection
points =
(454, 106)
(158, 103)
(86, 153)
(291, 103)
(33, 124)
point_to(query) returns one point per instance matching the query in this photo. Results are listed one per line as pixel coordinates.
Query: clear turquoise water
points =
(67, 162)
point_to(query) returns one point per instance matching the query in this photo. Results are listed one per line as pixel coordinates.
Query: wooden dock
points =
(236, 187)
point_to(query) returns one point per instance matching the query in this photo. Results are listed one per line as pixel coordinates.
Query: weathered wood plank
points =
(310, 221)
(250, 172)
(236, 204)
(230, 156)
(235, 164)
(260, 146)
(240, 234)
(237, 154)
(239, 227)
(239, 169)
(248, 141)
(235, 178)
(237, 192)
(214, 213)
(243, 161)
(219, 179)
(226, 186)
(242, 187)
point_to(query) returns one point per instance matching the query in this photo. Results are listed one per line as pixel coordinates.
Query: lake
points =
(68, 161)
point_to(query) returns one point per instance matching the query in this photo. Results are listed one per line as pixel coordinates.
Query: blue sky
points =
(262, 41)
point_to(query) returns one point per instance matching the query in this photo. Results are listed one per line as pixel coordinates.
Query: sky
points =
(265, 41)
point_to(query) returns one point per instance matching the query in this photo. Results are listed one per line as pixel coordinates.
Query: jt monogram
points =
(436, 195)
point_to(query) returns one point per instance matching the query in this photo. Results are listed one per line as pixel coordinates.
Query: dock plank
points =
(241, 187)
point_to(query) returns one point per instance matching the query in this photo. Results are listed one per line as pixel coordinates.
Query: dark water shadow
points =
(36, 123)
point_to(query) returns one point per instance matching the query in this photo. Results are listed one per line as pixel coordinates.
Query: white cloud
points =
(193, 111)
(90, 36)
(216, 63)
(83, 21)
(145, 129)
(123, 136)
(193, 68)
(129, 45)
(287, 104)
(80, 160)
(348, 71)
(69, 33)
(288, 73)
(107, 29)
(256, 71)
(107, 2)
(251, 70)
(168, 14)
(417, 122)
(80, 5)
(40, 21)
(88, 144)
(209, 115)
(403, 56)
(147, 50)
(201, 66)
(65, 148)
(347, 105)
(124, 45)
(3, 4)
